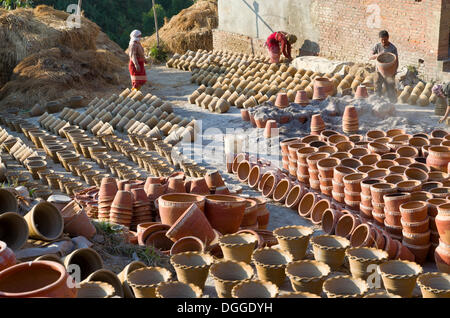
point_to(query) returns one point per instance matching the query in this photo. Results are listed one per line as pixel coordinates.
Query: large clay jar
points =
(7, 256)
(443, 222)
(192, 267)
(434, 285)
(330, 249)
(438, 158)
(172, 206)
(307, 275)
(294, 239)
(399, 277)
(360, 258)
(345, 286)
(271, 264)
(225, 212)
(37, 279)
(227, 274)
(386, 64)
(192, 222)
(442, 257)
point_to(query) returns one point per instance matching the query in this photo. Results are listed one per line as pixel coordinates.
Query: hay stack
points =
(43, 59)
(191, 29)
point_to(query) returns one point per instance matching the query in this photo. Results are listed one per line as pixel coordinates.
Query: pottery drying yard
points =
(228, 177)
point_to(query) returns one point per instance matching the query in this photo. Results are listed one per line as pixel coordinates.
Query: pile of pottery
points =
(57, 105)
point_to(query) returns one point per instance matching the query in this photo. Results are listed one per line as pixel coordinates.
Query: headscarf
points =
(291, 38)
(438, 90)
(134, 36)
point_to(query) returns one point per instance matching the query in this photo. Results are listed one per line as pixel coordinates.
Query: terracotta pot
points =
(345, 286)
(442, 257)
(330, 249)
(393, 201)
(350, 120)
(282, 100)
(144, 280)
(443, 222)
(379, 190)
(294, 239)
(269, 184)
(250, 214)
(7, 256)
(225, 213)
(346, 225)
(438, 158)
(362, 236)
(50, 279)
(192, 267)
(214, 179)
(187, 244)
(271, 264)
(307, 276)
(9, 201)
(14, 230)
(301, 98)
(390, 245)
(399, 277)
(95, 290)
(106, 276)
(440, 192)
(306, 204)
(414, 211)
(386, 64)
(87, 259)
(361, 92)
(245, 115)
(44, 222)
(317, 124)
(317, 211)
(243, 171)
(177, 290)
(434, 285)
(284, 144)
(352, 182)
(282, 190)
(361, 258)
(123, 275)
(172, 206)
(294, 196)
(255, 289)
(330, 217)
(192, 223)
(228, 274)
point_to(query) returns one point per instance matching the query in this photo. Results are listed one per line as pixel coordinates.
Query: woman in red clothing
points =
(137, 60)
(277, 39)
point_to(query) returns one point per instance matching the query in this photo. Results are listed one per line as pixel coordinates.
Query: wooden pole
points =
(156, 24)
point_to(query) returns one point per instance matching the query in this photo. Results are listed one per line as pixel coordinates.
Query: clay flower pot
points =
(95, 290)
(271, 264)
(301, 98)
(254, 289)
(199, 186)
(294, 239)
(44, 222)
(352, 182)
(345, 286)
(225, 212)
(438, 158)
(282, 100)
(144, 280)
(306, 205)
(294, 196)
(361, 257)
(399, 277)
(228, 274)
(362, 236)
(330, 249)
(106, 276)
(307, 276)
(379, 190)
(414, 211)
(434, 285)
(14, 230)
(238, 247)
(9, 201)
(7, 256)
(177, 290)
(361, 92)
(442, 222)
(39, 279)
(243, 171)
(87, 259)
(172, 206)
(346, 225)
(192, 267)
(76, 221)
(317, 124)
(282, 190)
(175, 185)
(123, 275)
(192, 222)
(271, 129)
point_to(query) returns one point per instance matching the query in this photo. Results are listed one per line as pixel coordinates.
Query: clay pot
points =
(255, 289)
(440, 192)
(282, 190)
(177, 290)
(228, 274)
(330, 249)
(352, 182)
(243, 171)
(346, 225)
(330, 217)
(434, 285)
(301, 98)
(172, 206)
(144, 280)
(214, 179)
(95, 290)
(363, 236)
(192, 223)
(399, 277)
(7, 256)
(414, 211)
(294, 239)
(409, 186)
(106, 276)
(87, 259)
(269, 184)
(44, 222)
(282, 100)
(14, 230)
(192, 267)
(317, 211)
(306, 204)
(361, 92)
(40, 279)
(224, 212)
(438, 158)
(442, 222)
(271, 263)
(393, 201)
(307, 276)
(238, 247)
(123, 275)
(386, 64)
(76, 221)
(9, 201)
(361, 257)
(345, 286)
(317, 124)
(294, 196)
(379, 190)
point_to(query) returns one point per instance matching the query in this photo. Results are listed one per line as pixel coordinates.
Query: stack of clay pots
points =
(141, 208)
(108, 190)
(442, 251)
(350, 123)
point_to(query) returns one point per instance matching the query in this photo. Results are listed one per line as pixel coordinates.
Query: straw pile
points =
(42, 59)
(191, 29)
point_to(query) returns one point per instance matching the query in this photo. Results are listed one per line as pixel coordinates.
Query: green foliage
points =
(13, 4)
(159, 54)
(119, 18)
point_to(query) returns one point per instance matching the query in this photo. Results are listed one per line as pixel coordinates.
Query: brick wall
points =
(420, 30)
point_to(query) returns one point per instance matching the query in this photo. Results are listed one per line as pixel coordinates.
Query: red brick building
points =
(343, 29)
